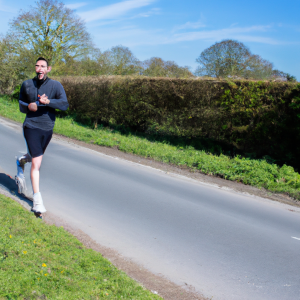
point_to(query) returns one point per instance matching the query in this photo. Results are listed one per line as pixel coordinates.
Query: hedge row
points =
(254, 116)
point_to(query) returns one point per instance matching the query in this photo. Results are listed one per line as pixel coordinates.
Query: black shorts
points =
(37, 140)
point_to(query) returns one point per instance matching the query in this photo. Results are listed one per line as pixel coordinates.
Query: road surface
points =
(224, 244)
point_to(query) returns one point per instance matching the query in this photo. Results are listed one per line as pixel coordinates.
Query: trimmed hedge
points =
(258, 117)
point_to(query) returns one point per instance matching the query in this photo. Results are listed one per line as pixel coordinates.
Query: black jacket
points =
(44, 117)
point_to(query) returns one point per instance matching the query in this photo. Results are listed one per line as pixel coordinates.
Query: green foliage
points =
(232, 59)
(13, 67)
(157, 67)
(205, 155)
(16, 92)
(196, 155)
(291, 78)
(38, 261)
(52, 30)
(253, 116)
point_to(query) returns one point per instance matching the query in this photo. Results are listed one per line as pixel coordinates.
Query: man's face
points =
(41, 69)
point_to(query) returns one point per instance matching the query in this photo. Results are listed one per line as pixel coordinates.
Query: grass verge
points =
(255, 172)
(39, 261)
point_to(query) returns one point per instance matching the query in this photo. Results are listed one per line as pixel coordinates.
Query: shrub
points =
(257, 117)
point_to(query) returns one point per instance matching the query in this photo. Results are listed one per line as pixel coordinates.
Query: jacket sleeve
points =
(23, 106)
(60, 102)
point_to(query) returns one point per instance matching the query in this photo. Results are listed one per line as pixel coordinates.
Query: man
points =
(38, 125)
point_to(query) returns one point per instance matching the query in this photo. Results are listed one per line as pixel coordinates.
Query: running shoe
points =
(21, 183)
(38, 206)
(20, 166)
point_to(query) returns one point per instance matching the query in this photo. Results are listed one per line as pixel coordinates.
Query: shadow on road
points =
(9, 184)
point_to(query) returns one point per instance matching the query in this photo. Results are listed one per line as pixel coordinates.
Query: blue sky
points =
(180, 30)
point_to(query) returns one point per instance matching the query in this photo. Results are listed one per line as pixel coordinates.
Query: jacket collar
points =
(39, 83)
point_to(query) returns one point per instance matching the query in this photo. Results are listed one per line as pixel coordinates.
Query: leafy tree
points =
(258, 68)
(52, 30)
(290, 78)
(157, 67)
(120, 61)
(154, 67)
(279, 75)
(13, 68)
(173, 70)
(233, 59)
(227, 58)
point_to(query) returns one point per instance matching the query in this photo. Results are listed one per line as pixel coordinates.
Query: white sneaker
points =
(38, 206)
(21, 183)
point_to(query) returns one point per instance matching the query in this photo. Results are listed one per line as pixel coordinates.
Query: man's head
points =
(42, 68)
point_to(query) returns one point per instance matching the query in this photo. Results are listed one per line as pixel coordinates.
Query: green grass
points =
(39, 261)
(255, 172)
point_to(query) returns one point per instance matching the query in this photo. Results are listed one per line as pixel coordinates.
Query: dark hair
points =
(42, 58)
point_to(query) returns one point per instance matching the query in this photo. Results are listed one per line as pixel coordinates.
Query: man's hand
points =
(44, 99)
(32, 107)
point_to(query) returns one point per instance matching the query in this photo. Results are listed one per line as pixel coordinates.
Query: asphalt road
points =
(227, 245)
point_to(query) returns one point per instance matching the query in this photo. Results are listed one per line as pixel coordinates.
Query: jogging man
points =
(39, 97)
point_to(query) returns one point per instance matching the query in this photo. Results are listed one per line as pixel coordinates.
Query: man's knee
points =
(35, 166)
(36, 162)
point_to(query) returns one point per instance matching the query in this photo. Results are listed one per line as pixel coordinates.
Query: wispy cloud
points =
(114, 10)
(190, 25)
(240, 33)
(132, 36)
(153, 11)
(76, 5)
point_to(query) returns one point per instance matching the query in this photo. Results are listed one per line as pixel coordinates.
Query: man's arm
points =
(60, 102)
(22, 104)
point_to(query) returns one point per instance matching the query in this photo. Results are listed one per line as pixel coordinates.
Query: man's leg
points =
(20, 178)
(38, 205)
(35, 173)
(21, 161)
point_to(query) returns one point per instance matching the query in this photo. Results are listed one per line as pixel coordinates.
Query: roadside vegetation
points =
(39, 261)
(71, 52)
(256, 172)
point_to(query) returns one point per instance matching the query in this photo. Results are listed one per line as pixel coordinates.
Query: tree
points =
(233, 59)
(154, 67)
(117, 61)
(13, 68)
(290, 77)
(227, 58)
(173, 70)
(157, 67)
(281, 76)
(120, 61)
(52, 30)
(257, 68)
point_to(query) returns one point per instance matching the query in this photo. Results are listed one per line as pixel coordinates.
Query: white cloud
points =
(154, 11)
(76, 5)
(239, 33)
(134, 36)
(114, 10)
(190, 25)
